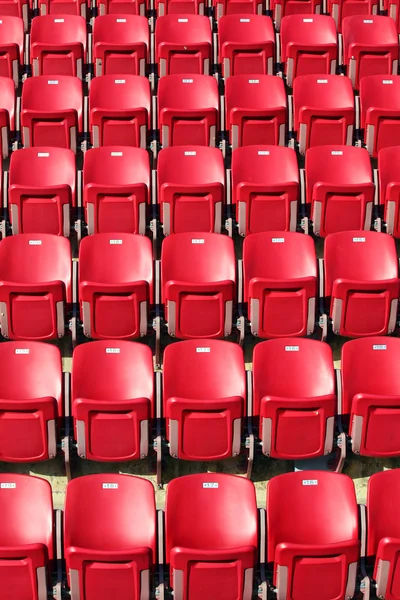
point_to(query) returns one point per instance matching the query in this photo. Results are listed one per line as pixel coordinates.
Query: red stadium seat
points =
(246, 45)
(282, 8)
(42, 190)
(7, 113)
(392, 8)
(383, 540)
(121, 45)
(115, 285)
(295, 414)
(183, 45)
(31, 401)
(361, 283)
(211, 536)
(265, 188)
(112, 400)
(51, 112)
(340, 9)
(122, 7)
(191, 189)
(389, 187)
(370, 47)
(11, 47)
(308, 46)
(198, 281)
(280, 283)
(63, 7)
(16, 8)
(371, 395)
(323, 110)
(312, 540)
(35, 286)
(116, 559)
(204, 409)
(179, 7)
(340, 189)
(188, 110)
(116, 189)
(380, 111)
(255, 110)
(119, 110)
(26, 536)
(237, 7)
(58, 45)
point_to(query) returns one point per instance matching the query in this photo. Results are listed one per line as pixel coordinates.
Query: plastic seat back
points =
(340, 189)
(16, 8)
(361, 283)
(280, 283)
(255, 110)
(116, 291)
(64, 7)
(122, 7)
(313, 545)
(188, 110)
(191, 189)
(121, 45)
(11, 47)
(35, 286)
(371, 395)
(340, 9)
(237, 7)
(194, 283)
(30, 401)
(389, 188)
(282, 8)
(116, 189)
(204, 409)
(42, 190)
(324, 111)
(308, 46)
(211, 536)
(119, 111)
(26, 536)
(7, 113)
(112, 400)
(296, 413)
(179, 7)
(116, 559)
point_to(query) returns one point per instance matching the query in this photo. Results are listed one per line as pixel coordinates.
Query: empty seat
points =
(115, 285)
(119, 110)
(11, 47)
(308, 46)
(392, 8)
(265, 188)
(51, 113)
(58, 45)
(383, 539)
(198, 275)
(178, 7)
(31, 401)
(42, 190)
(246, 45)
(122, 7)
(117, 561)
(361, 283)
(323, 110)
(312, 540)
(204, 409)
(188, 110)
(112, 400)
(211, 536)
(340, 9)
(26, 536)
(35, 286)
(380, 111)
(16, 8)
(116, 189)
(63, 7)
(237, 7)
(7, 113)
(121, 45)
(371, 395)
(294, 398)
(183, 44)
(191, 189)
(282, 8)
(280, 283)
(370, 47)
(255, 110)
(389, 187)
(339, 189)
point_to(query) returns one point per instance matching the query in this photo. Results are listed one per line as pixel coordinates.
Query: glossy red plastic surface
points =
(237, 7)
(178, 7)
(282, 8)
(11, 46)
(340, 9)
(7, 111)
(16, 8)
(389, 187)
(122, 7)
(63, 7)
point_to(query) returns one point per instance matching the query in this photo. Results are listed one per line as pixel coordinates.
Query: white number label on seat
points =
(278, 240)
(21, 350)
(117, 153)
(113, 350)
(210, 486)
(379, 347)
(292, 348)
(310, 481)
(197, 241)
(190, 153)
(110, 486)
(337, 152)
(187, 80)
(8, 486)
(35, 242)
(360, 239)
(203, 349)
(115, 242)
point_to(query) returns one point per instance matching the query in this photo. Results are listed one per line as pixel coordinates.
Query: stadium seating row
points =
(309, 537)
(120, 409)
